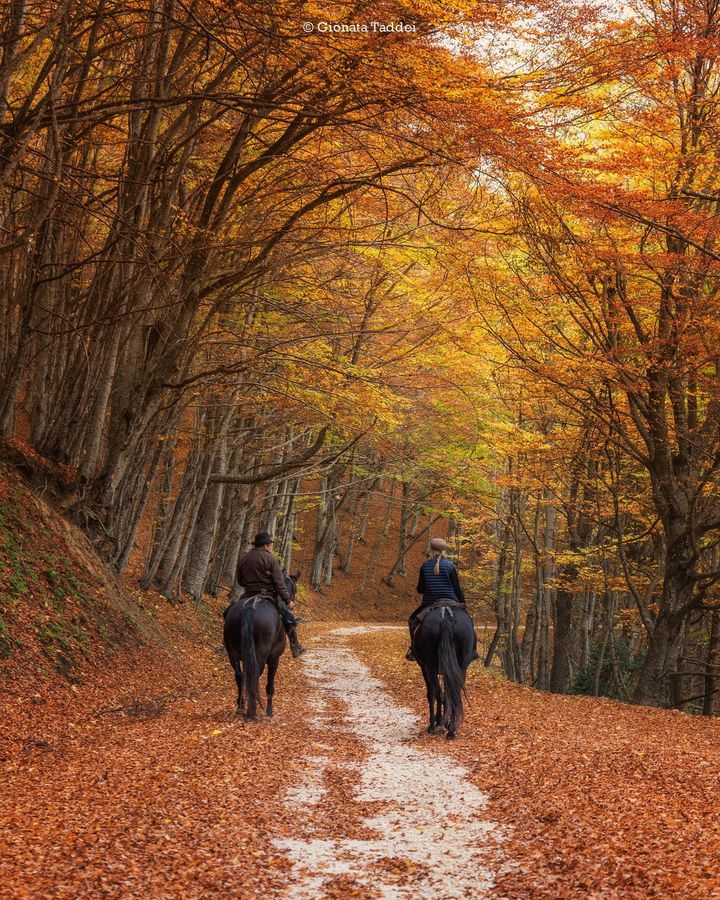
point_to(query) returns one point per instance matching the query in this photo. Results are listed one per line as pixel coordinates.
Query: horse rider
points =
(438, 580)
(259, 572)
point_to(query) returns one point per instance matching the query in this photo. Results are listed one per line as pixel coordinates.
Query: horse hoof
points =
(450, 736)
(239, 712)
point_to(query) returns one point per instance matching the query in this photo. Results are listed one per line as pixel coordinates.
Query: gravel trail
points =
(423, 830)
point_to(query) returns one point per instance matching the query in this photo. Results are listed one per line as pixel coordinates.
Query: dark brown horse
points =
(444, 646)
(254, 637)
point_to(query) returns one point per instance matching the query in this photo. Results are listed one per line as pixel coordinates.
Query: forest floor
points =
(141, 781)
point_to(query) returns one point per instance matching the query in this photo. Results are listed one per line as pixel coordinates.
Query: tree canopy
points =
(256, 275)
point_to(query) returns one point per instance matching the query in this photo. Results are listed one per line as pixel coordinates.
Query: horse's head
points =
(291, 582)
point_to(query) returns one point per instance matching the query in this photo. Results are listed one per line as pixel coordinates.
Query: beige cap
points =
(438, 544)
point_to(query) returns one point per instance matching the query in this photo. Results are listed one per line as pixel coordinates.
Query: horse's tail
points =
(251, 674)
(449, 668)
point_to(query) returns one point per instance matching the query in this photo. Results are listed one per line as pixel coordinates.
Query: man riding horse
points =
(259, 573)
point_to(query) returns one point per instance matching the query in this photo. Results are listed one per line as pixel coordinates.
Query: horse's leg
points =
(272, 665)
(434, 698)
(237, 668)
(430, 693)
(451, 726)
(452, 723)
(439, 704)
(261, 662)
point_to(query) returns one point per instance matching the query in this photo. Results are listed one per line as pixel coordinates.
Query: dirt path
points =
(429, 835)
(141, 782)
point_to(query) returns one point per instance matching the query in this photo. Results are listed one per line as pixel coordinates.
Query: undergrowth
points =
(617, 670)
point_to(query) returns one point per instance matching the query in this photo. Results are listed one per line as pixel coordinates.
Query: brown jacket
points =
(259, 571)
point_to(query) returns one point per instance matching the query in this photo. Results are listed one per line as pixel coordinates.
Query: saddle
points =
(244, 601)
(256, 598)
(447, 603)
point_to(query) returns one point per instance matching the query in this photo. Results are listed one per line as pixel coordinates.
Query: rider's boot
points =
(410, 655)
(296, 647)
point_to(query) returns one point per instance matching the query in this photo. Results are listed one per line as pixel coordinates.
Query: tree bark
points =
(712, 669)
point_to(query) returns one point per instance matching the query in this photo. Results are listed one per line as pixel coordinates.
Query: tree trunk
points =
(516, 611)
(364, 516)
(712, 664)
(548, 595)
(321, 529)
(655, 685)
(600, 658)
(501, 626)
(203, 535)
(532, 620)
(588, 627)
(562, 633)
(405, 513)
(389, 509)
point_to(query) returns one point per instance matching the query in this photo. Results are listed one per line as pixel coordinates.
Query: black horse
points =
(254, 636)
(444, 645)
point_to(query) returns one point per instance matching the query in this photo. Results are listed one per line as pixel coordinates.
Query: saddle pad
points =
(254, 600)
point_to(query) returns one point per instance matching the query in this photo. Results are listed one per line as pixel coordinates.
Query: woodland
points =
(260, 277)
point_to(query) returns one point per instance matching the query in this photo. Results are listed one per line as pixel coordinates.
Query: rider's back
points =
(255, 570)
(438, 586)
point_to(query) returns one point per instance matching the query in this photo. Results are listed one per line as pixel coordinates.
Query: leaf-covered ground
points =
(604, 799)
(142, 782)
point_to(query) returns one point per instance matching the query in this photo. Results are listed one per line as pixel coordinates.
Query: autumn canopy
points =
(259, 272)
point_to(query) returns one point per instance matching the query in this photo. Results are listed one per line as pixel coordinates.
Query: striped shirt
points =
(443, 586)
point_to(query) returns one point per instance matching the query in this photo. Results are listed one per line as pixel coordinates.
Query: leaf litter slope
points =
(428, 834)
(143, 782)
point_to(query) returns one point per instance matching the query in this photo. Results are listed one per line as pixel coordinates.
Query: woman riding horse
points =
(438, 580)
(442, 640)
